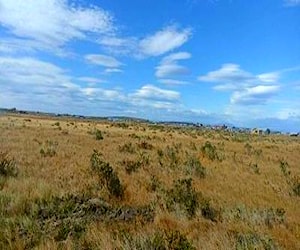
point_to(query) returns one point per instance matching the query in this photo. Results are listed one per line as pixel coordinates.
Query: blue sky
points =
(209, 61)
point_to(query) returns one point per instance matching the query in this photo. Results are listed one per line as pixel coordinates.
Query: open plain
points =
(80, 184)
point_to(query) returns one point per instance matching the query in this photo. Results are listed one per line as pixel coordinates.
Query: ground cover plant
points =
(80, 184)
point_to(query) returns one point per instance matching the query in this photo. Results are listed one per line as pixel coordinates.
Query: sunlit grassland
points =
(103, 185)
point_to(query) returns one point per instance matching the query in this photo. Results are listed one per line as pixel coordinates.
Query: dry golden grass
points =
(252, 197)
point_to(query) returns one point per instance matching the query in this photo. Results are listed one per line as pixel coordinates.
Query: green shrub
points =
(8, 167)
(155, 183)
(185, 195)
(172, 240)
(296, 186)
(253, 241)
(208, 212)
(131, 166)
(127, 147)
(177, 241)
(56, 124)
(194, 167)
(49, 149)
(145, 145)
(172, 156)
(107, 175)
(209, 151)
(98, 135)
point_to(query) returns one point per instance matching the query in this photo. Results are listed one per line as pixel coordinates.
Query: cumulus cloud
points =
(103, 60)
(53, 22)
(254, 95)
(169, 66)
(29, 83)
(164, 41)
(247, 88)
(34, 84)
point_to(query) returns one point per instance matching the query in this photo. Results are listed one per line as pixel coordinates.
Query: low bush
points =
(127, 148)
(296, 186)
(145, 145)
(193, 166)
(107, 175)
(49, 149)
(98, 135)
(131, 166)
(8, 167)
(185, 195)
(208, 212)
(210, 151)
(253, 241)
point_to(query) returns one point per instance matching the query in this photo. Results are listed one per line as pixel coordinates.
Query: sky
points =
(209, 61)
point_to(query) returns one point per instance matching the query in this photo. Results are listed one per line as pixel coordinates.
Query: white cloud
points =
(172, 82)
(112, 70)
(169, 66)
(169, 70)
(254, 95)
(30, 71)
(154, 93)
(119, 45)
(53, 23)
(159, 43)
(164, 41)
(175, 57)
(269, 77)
(292, 3)
(103, 60)
(227, 73)
(248, 88)
(34, 84)
(91, 81)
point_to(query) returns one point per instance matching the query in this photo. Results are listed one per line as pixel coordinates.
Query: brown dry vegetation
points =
(178, 188)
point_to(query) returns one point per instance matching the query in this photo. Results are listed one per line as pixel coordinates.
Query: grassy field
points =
(74, 184)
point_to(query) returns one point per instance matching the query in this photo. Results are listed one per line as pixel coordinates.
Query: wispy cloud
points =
(255, 95)
(154, 93)
(164, 41)
(112, 70)
(169, 66)
(103, 60)
(227, 73)
(292, 3)
(91, 81)
(53, 23)
(172, 82)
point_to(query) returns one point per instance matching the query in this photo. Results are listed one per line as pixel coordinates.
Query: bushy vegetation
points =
(8, 166)
(185, 195)
(107, 175)
(145, 187)
(210, 151)
(49, 149)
